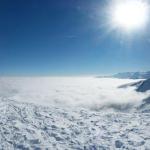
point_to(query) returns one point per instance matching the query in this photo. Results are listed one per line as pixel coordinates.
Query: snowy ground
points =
(72, 113)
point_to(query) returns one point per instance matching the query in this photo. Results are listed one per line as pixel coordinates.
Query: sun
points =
(129, 15)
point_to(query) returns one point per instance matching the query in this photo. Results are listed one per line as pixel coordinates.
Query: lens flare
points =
(129, 15)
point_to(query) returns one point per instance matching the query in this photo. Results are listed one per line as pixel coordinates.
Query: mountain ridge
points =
(133, 75)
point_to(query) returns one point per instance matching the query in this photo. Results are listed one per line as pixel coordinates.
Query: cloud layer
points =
(87, 92)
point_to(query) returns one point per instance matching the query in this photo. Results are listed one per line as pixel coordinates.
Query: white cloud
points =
(86, 92)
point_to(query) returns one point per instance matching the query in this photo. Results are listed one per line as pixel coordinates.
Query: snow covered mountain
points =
(133, 75)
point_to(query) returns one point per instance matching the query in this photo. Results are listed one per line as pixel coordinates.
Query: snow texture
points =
(72, 114)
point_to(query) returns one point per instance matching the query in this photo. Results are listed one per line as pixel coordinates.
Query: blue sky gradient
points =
(66, 37)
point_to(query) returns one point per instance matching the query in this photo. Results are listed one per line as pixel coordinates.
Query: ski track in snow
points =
(25, 126)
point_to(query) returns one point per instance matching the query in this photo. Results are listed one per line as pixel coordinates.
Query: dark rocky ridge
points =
(145, 86)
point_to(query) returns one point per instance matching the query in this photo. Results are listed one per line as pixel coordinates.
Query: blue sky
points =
(66, 37)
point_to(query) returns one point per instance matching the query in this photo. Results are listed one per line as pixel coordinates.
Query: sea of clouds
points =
(87, 92)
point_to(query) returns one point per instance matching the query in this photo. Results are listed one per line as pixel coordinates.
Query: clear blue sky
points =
(65, 37)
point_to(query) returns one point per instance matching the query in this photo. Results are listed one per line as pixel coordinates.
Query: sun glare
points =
(129, 14)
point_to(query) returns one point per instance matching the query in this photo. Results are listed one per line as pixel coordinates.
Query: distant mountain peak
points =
(133, 75)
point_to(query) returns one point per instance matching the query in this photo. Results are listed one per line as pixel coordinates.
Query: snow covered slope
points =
(25, 126)
(72, 114)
